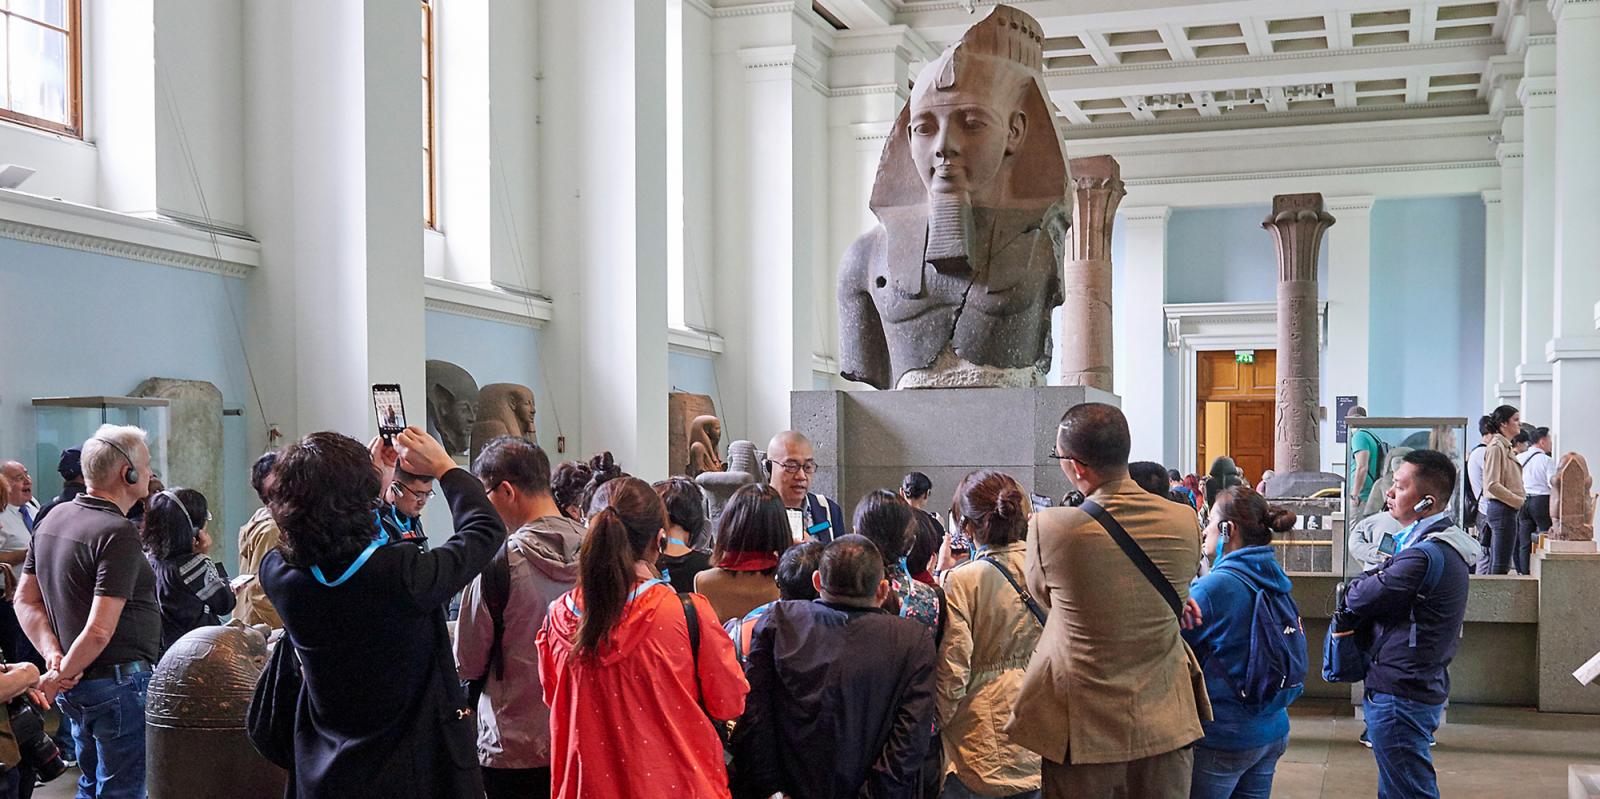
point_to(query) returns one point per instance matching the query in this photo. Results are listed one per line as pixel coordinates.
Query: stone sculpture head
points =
(509, 404)
(975, 113)
(705, 430)
(452, 405)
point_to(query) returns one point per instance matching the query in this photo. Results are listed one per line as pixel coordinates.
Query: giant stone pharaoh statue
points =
(955, 285)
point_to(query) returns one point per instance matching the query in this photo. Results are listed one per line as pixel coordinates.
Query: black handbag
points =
(275, 705)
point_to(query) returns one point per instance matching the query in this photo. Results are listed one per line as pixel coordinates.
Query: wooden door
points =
(1250, 437)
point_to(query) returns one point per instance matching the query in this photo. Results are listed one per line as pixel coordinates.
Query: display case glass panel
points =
(64, 422)
(1374, 448)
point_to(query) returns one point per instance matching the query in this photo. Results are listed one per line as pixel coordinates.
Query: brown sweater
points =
(733, 594)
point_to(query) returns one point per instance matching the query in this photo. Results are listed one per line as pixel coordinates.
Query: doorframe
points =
(1193, 328)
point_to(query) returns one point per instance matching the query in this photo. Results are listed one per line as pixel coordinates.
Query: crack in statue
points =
(955, 285)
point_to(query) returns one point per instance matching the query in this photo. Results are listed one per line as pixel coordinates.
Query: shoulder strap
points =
(1027, 599)
(691, 619)
(1131, 549)
(496, 595)
(1435, 573)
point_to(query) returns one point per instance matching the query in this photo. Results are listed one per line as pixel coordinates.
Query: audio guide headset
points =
(131, 474)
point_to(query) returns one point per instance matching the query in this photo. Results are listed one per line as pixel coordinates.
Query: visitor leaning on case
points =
(1239, 754)
(383, 712)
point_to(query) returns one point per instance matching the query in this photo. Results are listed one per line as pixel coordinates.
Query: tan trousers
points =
(1163, 776)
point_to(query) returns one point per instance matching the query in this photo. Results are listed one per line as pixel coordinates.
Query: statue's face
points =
(522, 407)
(715, 430)
(959, 143)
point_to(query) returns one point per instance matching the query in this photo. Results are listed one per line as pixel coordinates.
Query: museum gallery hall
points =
(377, 372)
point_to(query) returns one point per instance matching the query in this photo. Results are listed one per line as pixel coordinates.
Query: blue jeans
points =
(1400, 730)
(954, 788)
(1245, 774)
(107, 719)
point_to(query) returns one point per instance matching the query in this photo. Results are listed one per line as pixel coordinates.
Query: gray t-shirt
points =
(85, 549)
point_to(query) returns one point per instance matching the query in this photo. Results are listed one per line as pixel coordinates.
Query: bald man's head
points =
(21, 482)
(791, 461)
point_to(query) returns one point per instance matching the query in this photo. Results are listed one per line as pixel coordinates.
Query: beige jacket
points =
(256, 538)
(987, 642)
(1111, 680)
(1502, 475)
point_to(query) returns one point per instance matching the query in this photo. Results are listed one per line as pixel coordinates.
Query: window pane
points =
(53, 12)
(38, 71)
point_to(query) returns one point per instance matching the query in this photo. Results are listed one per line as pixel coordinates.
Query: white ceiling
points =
(1126, 66)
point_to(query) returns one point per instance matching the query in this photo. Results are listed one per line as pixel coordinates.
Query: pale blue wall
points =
(84, 324)
(1427, 307)
(695, 374)
(1224, 255)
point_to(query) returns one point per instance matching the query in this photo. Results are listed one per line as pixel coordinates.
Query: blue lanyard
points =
(644, 586)
(405, 526)
(361, 560)
(680, 542)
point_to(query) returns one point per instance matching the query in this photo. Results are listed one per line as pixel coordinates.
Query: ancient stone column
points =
(1086, 316)
(1297, 223)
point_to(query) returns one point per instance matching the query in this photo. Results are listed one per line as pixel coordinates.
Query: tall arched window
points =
(430, 189)
(41, 83)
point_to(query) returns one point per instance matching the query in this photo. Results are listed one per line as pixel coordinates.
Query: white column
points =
(1575, 350)
(1346, 360)
(1538, 95)
(603, 156)
(1493, 233)
(1139, 328)
(1508, 292)
(782, 178)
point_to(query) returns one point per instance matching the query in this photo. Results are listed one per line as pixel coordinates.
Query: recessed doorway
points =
(1236, 392)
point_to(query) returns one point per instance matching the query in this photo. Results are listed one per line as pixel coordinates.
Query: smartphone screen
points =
(390, 408)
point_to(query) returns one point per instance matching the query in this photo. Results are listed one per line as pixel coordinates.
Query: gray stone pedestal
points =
(1569, 629)
(870, 439)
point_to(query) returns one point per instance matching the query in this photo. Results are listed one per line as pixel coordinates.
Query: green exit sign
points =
(1244, 356)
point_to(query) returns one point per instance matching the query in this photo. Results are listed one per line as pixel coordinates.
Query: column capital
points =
(778, 62)
(1491, 196)
(1537, 91)
(1569, 10)
(1509, 154)
(1297, 223)
(1146, 214)
(1355, 203)
(1096, 191)
(1572, 348)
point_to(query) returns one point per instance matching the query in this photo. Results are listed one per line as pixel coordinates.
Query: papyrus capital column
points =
(1086, 317)
(1297, 223)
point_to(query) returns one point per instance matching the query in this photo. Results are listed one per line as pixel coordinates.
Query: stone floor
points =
(1487, 752)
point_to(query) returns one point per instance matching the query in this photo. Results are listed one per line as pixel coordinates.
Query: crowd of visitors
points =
(1141, 639)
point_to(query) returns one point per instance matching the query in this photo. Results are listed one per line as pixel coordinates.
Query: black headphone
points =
(129, 475)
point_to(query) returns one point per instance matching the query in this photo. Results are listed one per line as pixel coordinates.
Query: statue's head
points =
(452, 403)
(511, 402)
(708, 426)
(975, 112)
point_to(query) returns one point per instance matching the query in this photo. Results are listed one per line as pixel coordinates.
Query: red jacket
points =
(628, 723)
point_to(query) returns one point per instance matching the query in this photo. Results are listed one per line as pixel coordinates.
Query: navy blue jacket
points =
(841, 704)
(1227, 598)
(1407, 667)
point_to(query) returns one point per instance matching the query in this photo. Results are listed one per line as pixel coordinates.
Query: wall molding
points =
(1312, 173)
(167, 242)
(1272, 58)
(694, 341)
(1279, 120)
(487, 303)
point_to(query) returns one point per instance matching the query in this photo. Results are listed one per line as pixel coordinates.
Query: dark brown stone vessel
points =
(195, 719)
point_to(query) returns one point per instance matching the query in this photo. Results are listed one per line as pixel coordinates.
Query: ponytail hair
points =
(1251, 515)
(995, 505)
(631, 516)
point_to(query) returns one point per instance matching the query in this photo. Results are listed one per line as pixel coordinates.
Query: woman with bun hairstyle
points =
(1240, 751)
(629, 702)
(991, 633)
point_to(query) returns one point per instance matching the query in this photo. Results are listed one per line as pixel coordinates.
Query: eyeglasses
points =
(795, 467)
(421, 496)
(1053, 456)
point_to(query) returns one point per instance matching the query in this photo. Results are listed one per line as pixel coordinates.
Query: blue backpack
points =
(1277, 660)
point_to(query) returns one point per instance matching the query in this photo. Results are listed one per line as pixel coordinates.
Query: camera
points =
(38, 751)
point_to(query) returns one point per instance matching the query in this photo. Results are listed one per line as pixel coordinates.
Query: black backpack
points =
(496, 588)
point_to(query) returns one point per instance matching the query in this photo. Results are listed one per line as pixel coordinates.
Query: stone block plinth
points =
(1569, 629)
(871, 439)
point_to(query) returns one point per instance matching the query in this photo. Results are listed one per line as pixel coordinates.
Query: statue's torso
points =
(995, 315)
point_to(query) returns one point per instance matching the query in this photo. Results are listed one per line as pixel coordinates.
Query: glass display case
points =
(1374, 447)
(63, 422)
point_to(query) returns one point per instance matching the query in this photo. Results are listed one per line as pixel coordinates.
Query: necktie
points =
(27, 519)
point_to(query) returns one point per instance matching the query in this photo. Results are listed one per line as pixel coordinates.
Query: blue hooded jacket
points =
(1222, 642)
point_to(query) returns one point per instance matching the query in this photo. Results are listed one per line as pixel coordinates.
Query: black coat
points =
(1411, 659)
(841, 704)
(192, 591)
(382, 712)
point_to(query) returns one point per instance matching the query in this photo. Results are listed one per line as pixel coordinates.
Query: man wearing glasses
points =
(791, 461)
(403, 500)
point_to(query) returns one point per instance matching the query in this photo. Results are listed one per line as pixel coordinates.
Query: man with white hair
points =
(791, 461)
(18, 516)
(87, 599)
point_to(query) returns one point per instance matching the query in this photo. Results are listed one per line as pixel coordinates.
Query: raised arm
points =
(434, 576)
